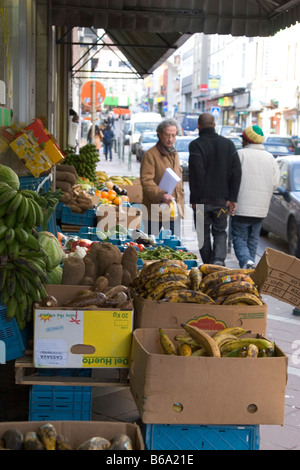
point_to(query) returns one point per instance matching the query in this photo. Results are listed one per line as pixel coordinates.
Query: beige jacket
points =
(153, 166)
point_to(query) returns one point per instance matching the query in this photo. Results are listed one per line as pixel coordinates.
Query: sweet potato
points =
(73, 271)
(101, 284)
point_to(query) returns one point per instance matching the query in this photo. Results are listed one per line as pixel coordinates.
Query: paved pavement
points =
(282, 326)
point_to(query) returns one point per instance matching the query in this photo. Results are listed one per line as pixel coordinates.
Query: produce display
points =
(102, 259)
(165, 252)
(168, 280)
(85, 161)
(104, 179)
(229, 342)
(24, 261)
(47, 438)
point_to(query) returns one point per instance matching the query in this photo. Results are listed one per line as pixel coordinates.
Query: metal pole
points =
(93, 114)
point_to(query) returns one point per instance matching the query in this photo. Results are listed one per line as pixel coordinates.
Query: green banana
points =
(3, 246)
(3, 229)
(13, 249)
(261, 343)
(14, 203)
(11, 282)
(3, 275)
(22, 210)
(3, 210)
(11, 219)
(23, 281)
(11, 308)
(29, 193)
(32, 243)
(9, 235)
(7, 196)
(4, 295)
(38, 212)
(21, 235)
(31, 215)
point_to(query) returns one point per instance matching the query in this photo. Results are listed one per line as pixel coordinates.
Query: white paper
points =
(169, 181)
(50, 352)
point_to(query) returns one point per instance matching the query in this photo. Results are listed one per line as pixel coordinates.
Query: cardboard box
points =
(205, 390)
(134, 191)
(70, 338)
(79, 431)
(30, 153)
(109, 215)
(154, 314)
(278, 275)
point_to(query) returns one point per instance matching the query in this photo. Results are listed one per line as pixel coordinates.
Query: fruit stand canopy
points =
(148, 32)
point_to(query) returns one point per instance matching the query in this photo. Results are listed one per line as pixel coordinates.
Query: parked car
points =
(283, 218)
(281, 139)
(238, 142)
(182, 146)
(189, 124)
(145, 142)
(279, 150)
(227, 130)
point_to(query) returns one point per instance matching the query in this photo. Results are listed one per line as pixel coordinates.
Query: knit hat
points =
(254, 135)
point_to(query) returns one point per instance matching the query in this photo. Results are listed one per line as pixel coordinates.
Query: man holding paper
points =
(161, 180)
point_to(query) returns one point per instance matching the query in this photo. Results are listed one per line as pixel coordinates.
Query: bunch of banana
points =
(22, 259)
(121, 180)
(169, 280)
(102, 176)
(229, 342)
(229, 286)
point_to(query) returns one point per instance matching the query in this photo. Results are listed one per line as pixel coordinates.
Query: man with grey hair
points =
(155, 162)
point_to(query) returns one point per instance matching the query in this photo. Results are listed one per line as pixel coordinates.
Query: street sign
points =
(87, 94)
(215, 111)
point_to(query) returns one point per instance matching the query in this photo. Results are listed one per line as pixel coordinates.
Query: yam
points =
(114, 274)
(126, 278)
(69, 168)
(75, 208)
(108, 254)
(66, 176)
(73, 271)
(129, 261)
(66, 197)
(91, 267)
(64, 185)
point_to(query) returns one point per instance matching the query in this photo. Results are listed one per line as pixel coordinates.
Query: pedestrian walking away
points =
(214, 180)
(108, 138)
(260, 176)
(161, 157)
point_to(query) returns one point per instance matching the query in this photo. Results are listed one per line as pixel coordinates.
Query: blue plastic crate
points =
(88, 218)
(30, 182)
(14, 339)
(60, 402)
(199, 437)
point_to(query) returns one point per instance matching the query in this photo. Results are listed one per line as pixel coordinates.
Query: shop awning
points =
(147, 33)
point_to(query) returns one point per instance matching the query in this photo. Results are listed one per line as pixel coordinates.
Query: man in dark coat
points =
(214, 179)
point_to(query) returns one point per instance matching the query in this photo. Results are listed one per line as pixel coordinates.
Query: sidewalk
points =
(116, 403)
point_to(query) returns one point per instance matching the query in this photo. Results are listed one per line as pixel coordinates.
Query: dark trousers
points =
(214, 247)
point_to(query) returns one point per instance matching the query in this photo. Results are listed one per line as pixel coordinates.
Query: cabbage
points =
(55, 276)
(52, 247)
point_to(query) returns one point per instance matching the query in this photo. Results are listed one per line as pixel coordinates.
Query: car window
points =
(146, 139)
(295, 178)
(284, 171)
(280, 140)
(276, 148)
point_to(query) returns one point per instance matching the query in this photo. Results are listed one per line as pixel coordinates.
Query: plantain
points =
(242, 298)
(252, 351)
(153, 283)
(188, 296)
(7, 195)
(11, 308)
(166, 343)
(187, 339)
(214, 287)
(39, 215)
(22, 210)
(232, 330)
(47, 434)
(162, 289)
(215, 277)
(3, 275)
(237, 286)
(21, 235)
(261, 343)
(185, 349)
(31, 215)
(199, 352)
(204, 339)
(3, 230)
(223, 339)
(206, 268)
(9, 235)
(195, 278)
(13, 249)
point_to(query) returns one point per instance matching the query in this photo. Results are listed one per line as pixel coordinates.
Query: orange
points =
(111, 195)
(97, 192)
(104, 194)
(125, 198)
(117, 201)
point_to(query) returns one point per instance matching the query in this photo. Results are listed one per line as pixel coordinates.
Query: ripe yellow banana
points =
(221, 340)
(185, 349)
(204, 339)
(232, 330)
(252, 351)
(187, 339)
(261, 343)
(166, 343)
(199, 352)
